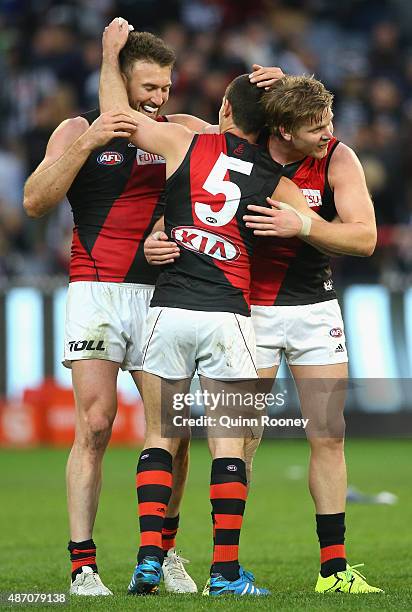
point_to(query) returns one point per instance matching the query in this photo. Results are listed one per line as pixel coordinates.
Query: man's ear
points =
(124, 77)
(285, 134)
(227, 108)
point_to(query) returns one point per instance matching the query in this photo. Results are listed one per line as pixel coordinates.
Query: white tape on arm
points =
(306, 221)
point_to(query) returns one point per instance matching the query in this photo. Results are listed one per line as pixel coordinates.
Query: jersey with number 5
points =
(206, 199)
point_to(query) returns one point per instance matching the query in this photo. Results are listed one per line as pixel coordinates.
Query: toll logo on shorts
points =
(110, 158)
(86, 345)
(336, 332)
(206, 243)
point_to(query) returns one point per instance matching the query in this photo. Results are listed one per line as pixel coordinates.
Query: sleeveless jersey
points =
(115, 200)
(290, 272)
(206, 199)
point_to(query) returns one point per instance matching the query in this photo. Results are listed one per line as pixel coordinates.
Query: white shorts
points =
(106, 321)
(219, 345)
(311, 334)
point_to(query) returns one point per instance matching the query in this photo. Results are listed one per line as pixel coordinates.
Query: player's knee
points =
(327, 445)
(96, 430)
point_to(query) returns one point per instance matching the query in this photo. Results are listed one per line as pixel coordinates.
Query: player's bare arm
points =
(169, 140)
(67, 150)
(356, 232)
(282, 219)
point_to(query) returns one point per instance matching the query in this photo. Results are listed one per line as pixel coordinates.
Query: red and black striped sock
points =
(331, 533)
(228, 492)
(154, 487)
(82, 553)
(212, 514)
(169, 531)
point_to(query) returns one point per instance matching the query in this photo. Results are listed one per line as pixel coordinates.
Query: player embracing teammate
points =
(114, 190)
(294, 305)
(199, 318)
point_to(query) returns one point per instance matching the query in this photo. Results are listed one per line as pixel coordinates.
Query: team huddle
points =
(200, 248)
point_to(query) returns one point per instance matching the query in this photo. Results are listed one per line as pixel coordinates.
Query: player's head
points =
(146, 63)
(242, 107)
(299, 112)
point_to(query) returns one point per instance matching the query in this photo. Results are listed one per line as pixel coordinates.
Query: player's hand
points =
(265, 77)
(112, 124)
(159, 250)
(272, 221)
(115, 35)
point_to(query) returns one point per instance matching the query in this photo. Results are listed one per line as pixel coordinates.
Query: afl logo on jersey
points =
(110, 158)
(207, 243)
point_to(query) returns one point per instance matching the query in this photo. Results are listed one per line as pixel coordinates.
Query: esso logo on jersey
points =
(336, 332)
(110, 158)
(313, 197)
(208, 243)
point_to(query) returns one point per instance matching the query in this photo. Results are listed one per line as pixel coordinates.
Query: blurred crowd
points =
(361, 49)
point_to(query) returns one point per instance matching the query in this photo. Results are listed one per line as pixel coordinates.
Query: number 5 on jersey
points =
(216, 184)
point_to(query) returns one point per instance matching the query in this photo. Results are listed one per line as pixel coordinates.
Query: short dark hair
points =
(145, 46)
(245, 99)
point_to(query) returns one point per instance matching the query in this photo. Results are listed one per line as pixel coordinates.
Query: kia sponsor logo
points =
(207, 243)
(336, 332)
(110, 158)
(313, 197)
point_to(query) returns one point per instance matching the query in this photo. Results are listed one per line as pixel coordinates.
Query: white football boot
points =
(176, 578)
(88, 583)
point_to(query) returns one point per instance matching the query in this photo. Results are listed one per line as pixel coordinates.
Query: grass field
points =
(278, 542)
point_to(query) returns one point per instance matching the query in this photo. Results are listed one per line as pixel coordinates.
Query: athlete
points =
(294, 305)
(294, 309)
(114, 191)
(199, 315)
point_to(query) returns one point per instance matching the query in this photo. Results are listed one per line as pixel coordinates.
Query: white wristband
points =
(306, 221)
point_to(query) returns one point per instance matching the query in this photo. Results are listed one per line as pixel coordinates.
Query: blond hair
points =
(294, 101)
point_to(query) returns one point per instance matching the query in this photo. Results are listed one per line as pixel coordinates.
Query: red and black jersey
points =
(206, 199)
(289, 272)
(115, 200)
